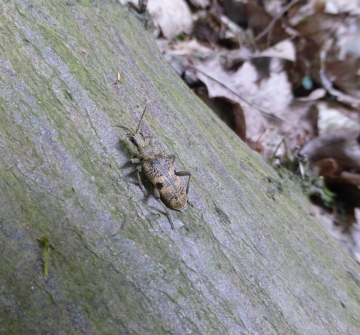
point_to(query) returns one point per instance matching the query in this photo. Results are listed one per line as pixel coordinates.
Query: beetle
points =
(160, 170)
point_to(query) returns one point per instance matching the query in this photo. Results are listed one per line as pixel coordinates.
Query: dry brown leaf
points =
(200, 3)
(318, 27)
(341, 145)
(271, 95)
(231, 113)
(284, 49)
(208, 28)
(173, 17)
(351, 178)
(342, 6)
(333, 116)
(259, 21)
(314, 95)
(344, 75)
(326, 167)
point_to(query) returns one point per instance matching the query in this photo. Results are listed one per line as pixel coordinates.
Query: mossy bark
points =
(248, 258)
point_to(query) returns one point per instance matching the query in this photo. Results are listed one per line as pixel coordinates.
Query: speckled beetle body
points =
(160, 170)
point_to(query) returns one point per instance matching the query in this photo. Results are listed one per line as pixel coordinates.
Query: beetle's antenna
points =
(137, 129)
(127, 129)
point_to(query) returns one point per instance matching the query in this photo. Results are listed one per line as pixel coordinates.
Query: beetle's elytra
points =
(160, 170)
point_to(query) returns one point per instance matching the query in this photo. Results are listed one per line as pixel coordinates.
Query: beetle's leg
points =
(157, 196)
(182, 174)
(138, 170)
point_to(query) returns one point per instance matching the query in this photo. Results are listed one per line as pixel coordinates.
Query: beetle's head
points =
(136, 137)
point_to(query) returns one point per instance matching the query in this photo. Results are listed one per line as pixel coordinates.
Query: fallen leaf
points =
(173, 17)
(333, 116)
(284, 49)
(314, 95)
(271, 95)
(200, 3)
(341, 145)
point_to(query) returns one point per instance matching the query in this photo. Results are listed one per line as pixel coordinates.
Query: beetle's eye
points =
(133, 141)
(142, 135)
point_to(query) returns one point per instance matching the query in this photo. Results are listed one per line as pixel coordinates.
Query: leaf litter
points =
(285, 77)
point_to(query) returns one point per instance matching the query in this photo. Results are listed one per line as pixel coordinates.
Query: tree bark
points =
(248, 258)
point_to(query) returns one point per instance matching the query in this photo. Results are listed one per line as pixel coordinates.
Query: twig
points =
(240, 97)
(273, 21)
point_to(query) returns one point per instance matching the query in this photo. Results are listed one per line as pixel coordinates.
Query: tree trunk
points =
(248, 258)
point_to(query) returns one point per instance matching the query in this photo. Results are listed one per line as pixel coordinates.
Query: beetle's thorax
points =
(145, 150)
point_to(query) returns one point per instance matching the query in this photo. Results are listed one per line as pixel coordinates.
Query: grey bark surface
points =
(248, 258)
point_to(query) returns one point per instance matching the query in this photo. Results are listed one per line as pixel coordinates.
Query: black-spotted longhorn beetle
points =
(160, 170)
